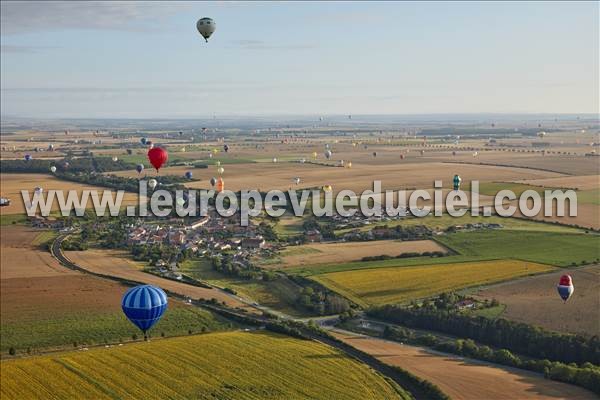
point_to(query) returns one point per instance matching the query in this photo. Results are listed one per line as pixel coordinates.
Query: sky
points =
(146, 60)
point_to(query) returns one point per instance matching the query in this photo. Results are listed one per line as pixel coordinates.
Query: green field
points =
(233, 365)
(491, 188)
(278, 295)
(65, 329)
(591, 196)
(397, 285)
(543, 247)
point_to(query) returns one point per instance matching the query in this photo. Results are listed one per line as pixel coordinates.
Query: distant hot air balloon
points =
(139, 168)
(328, 154)
(475, 154)
(226, 148)
(453, 153)
(38, 190)
(302, 160)
(220, 185)
(27, 157)
(565, 287)
(152, 183)
(220, 170)
(144, 305)
(314, 154)
(327, 188)
(158, 157)
(457, 180)
(422, 152)
(274, 159)
(50, 147)
(213, 181)
(541, 134)
(218, 163)
(206, 27)
(374, 154)
(143, 140)
(349, 164)
(53, 169)
(115, 159)
(188, 174)
(296, 180)
(402, 156)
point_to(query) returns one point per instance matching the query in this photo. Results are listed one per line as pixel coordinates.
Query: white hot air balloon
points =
(38, 190)
(152, 183)
(115, 159)
(206, 27)
(53, 169)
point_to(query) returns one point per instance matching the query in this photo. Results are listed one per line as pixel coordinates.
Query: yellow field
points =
(326, 253)
(12, 184)
(400, 284)
(232, 365)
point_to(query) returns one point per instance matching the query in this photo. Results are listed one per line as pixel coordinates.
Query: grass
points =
(60, 331)
(43, 238)
(11, 219)
(591, 196)
(542, 247)
(289, 226)
(446, 221)
(279, 294)
(233, 365)
(490, 312)
(398, 285)
(491, 188)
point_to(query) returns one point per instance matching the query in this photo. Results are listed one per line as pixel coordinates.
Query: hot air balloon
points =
(274, 159)
(144, 305)
(349, 164)
(453, 153)
(38, 190)
(213, 181)
(206, 27)
(226, 148)
(296, 180)
(53, 169)
(139, 168)
(302, 160)
(314, 154)
(374, 154)
(457, 180)
(220, 170)
(115, 159)
(50, 147)
(143, 140)
(541, 134)
(327, 188)
(210, 155)
(565, 287)
(218, 163)
(402, 156)
(422, 152)
(328, 154)
(66, 164)
(188, 174)
(27, 157)
(158, 157)
(220, 185)
(180, 133)
(475, 154)
(150, 144)
(152, 183)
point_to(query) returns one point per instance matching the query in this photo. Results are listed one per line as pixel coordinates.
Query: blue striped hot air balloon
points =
(144, 305)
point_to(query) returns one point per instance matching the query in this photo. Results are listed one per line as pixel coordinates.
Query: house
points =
(313, 236)
(253, 243)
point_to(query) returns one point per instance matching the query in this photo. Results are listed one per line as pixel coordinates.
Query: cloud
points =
(37, 16)
(262, 45)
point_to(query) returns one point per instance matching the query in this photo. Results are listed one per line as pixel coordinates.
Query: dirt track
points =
(464, 379)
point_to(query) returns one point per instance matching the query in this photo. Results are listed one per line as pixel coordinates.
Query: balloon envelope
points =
(27, 157)
(158, 157)
(206, 27)
(213, 181)
(188, 174)
(565, 287)
(53, 169)
(152, 183)
(139, 168)
(144, 305)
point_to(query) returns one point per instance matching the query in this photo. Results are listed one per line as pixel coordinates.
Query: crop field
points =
(45, 305)
(233, 365)
(402, 284)
(118, 264)
(12, 184)
(327, 253)
(462, 378)
(542, 247)
(584, 182)
(533, 300)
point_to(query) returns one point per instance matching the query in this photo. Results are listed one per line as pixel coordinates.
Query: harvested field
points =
(533, 300)
(585, 182)
(326, 253)
(12, 184)
(401, 284)
(465, 379)
(217, 366)
(117, 264)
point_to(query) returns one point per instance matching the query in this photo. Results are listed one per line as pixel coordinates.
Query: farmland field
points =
(222, 366)
(534, 300)
(324, 253)
(401, 284)
(12, 184)
(465, 379)
(45, 305)
(543, 247)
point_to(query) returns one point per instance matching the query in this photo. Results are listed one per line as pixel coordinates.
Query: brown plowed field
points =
(534, 300)
(464, 379)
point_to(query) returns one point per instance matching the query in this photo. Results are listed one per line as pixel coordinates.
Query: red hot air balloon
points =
(158, 157)
(565, 287)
